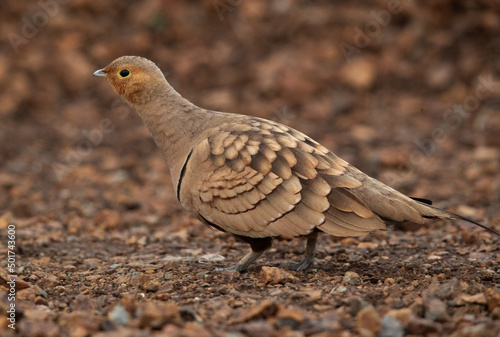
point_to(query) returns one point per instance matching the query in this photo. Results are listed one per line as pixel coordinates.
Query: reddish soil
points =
(102, 246)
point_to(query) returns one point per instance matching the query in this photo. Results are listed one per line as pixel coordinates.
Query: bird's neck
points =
(174, 123)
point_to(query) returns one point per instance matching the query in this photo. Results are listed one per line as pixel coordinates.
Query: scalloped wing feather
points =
(259, 178)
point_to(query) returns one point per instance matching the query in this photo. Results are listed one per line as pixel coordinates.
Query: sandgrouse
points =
(258, 179)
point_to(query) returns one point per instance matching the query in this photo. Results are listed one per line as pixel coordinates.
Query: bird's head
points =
(135, 78)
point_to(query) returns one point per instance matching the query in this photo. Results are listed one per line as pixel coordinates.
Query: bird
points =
(255, 178)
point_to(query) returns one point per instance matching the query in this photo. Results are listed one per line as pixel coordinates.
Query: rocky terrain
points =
(408, 92)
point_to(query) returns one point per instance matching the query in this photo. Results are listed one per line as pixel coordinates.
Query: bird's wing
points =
(258, 178)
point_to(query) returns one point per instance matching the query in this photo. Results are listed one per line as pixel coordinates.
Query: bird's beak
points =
(100, 73)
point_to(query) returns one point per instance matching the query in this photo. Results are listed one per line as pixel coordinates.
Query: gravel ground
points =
(408, 92)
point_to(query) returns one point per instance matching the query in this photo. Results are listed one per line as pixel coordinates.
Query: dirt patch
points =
(407, 94)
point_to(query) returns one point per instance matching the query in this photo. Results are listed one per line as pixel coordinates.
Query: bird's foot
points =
(243, 264)
(238, 267)
(304, 264)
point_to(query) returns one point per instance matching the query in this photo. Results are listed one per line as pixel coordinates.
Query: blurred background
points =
(407, 91)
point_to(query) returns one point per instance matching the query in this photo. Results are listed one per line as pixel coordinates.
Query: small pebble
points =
(352, 278)
(119, 315)
(391, 327)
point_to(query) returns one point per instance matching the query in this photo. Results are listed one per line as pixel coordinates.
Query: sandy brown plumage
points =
(255, 178)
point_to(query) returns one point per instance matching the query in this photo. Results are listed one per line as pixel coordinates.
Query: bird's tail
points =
(394, 207)
(443, 214)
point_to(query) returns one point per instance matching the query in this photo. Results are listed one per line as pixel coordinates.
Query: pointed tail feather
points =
(451, 215)
(422, 201)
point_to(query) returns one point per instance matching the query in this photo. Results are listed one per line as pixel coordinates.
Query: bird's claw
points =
(304, 264)
(237, 267)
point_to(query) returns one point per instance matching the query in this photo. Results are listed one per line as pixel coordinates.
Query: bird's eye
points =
(124, 73)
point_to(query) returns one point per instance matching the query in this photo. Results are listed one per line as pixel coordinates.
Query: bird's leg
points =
(308, 256)
(258, 245)
(243, 264)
